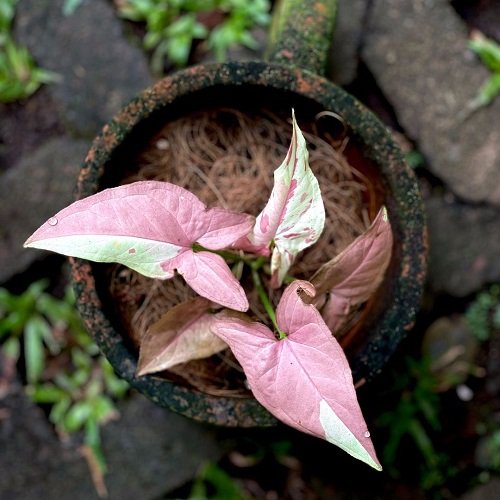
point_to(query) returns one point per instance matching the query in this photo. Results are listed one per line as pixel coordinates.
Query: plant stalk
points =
(266, 302)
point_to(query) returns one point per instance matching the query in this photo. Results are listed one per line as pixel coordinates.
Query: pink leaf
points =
(304, 379)
(144, 226)
(355, 274)
(181, 335)
(209, 276)
(223, 228)
(294, 216)
(246, 245)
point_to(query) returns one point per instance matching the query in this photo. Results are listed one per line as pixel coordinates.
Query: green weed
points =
(416, 418)
(81, 393)
(489, 53)
(19, 75)
(70, 6)
(483, 315)
(213, 482)
(173, 25)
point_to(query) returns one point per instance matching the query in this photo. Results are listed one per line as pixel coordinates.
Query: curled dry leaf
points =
(355, 274)
(181, 335)
(294, 216)
(151, 227)
(303, 379)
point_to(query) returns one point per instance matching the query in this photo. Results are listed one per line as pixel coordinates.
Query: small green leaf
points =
(77, 416)
(224, 486)
(103, 409)
(487, 50)
(7, 12)
(93, 441)
(46, 393)
(81, 360)
(114, 385)
(11, 348)
(46, 334)
(58, 412)
(12, 324)
(33, 349)
(7, 300)
(37, 288)
(93, 388)
(70, 6)
(92, 434)
(80, 376)
(178, 50)
(151, 40)
(65, 382)
(488, 92)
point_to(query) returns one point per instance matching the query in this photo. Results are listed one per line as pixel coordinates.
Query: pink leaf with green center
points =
(145, 225)
(181, 335)
(355, 274)
(303, 379)
(294, 216)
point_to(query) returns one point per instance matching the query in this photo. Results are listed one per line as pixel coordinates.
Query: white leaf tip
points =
(30, 243)
(385, 215)
(337, 433)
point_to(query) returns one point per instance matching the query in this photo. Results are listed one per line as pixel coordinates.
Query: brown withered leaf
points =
(181, 335)
(353, 276)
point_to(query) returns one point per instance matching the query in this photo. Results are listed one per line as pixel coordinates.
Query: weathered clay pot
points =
(298, 50)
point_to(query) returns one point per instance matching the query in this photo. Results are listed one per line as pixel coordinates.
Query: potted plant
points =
(371, 151)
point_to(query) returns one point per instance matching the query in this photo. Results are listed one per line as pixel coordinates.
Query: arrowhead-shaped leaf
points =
(144, 226)
(304, 379)
(181, 335)
(294, 216)
(209, 276)
(356, 273)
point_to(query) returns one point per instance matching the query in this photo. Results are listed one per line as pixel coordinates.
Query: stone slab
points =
(418, 54)
(100, 70)
(346, 43)
(149, 452)
(464, 246)
(39, 185)
(486, 491)
(152, 451)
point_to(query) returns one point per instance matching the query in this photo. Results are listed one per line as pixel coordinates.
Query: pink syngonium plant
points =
(298, 371)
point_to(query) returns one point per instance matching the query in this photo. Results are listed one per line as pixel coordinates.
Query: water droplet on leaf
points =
(367, 434)
(53, 221)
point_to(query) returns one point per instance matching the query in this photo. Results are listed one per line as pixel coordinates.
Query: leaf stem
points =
(266, 302)
(233, 257)
(225, 254)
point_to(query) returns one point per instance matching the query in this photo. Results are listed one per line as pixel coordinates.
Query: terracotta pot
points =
(289, 79)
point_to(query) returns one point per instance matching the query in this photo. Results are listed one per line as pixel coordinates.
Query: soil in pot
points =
(227, 157)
